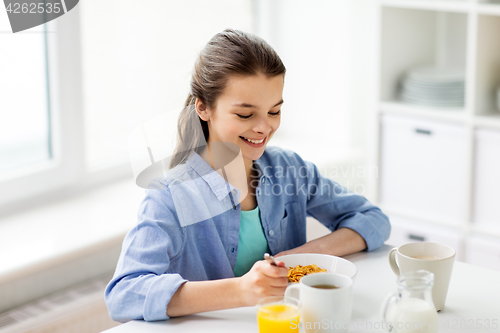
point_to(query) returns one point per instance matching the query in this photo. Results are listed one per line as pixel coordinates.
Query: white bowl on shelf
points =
(332, 264)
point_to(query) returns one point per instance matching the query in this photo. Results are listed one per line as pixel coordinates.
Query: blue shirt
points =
(189, 230)
(252, 242)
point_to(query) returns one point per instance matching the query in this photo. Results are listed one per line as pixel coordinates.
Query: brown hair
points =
(230, 52)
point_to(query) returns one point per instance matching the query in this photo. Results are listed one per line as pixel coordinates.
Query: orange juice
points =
(278, 318)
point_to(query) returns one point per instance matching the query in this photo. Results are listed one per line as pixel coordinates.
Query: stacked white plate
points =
(433, 86)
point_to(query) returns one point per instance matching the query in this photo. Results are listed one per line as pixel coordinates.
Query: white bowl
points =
(332, 264)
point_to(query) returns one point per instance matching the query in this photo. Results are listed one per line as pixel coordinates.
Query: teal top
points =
(252, 242)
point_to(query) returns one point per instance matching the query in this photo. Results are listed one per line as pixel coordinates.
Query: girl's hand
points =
(263, 280)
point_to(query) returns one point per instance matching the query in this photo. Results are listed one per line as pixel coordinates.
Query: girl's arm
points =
(199, 296)
(338, 243)
(356, 224)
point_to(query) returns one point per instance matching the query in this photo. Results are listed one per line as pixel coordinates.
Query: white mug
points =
(324, 310)
(433, 257)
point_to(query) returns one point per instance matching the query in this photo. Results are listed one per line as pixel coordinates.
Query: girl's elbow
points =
(386, 227)
(114, 311)
(382, 227)
(388, 231)
(116, 305)
(116, 316)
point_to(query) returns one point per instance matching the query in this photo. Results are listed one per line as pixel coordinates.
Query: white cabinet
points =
(487, 178)
(406, 230)
(483, 251)
(421, 161)
(438, 166)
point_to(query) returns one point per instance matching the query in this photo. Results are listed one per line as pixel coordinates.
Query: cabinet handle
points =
(422, 131)
(417, 238)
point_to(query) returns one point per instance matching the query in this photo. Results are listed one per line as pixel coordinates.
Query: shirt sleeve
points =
(141, 288)
(337, 207)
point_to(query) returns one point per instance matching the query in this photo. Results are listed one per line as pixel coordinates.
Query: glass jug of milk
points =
(411, 309)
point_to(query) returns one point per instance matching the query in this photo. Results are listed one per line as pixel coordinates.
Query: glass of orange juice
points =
(276, 314)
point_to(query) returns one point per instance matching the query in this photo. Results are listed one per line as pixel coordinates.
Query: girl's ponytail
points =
(190, 133)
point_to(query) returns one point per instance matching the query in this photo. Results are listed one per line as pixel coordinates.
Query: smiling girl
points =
(183, 258)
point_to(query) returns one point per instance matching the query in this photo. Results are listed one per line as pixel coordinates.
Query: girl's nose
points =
(262, 126)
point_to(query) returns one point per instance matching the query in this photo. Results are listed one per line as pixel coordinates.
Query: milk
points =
(412, 315)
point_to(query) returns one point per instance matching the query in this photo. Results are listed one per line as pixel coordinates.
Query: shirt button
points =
(232, 250)
(271, 232)
(258, 191)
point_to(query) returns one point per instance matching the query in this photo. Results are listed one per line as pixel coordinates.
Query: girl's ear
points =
(201, 110)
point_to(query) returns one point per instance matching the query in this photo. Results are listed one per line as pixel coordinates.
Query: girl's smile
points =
(255, 142)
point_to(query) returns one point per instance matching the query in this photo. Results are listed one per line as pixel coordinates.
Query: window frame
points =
(66, 173)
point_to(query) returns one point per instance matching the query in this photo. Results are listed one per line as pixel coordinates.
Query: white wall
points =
(327, 47)
(137, 60)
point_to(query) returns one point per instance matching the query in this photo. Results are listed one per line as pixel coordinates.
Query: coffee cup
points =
(433, 257)
(326, 300)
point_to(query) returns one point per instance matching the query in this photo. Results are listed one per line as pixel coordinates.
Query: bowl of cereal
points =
(311, 263)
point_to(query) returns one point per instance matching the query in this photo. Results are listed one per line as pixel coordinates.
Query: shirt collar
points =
(264, 166)
(217, 183)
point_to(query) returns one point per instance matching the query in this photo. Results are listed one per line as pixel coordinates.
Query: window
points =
(30, 128)
(103, 67)
(25, 107)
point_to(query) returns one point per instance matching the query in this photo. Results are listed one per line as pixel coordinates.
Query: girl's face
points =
(247, 113)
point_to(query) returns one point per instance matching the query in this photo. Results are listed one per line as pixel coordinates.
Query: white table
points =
(473, 298)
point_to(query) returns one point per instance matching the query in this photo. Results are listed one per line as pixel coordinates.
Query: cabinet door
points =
(483, 251)
(487, 178)
(405, 231)
(423, 168)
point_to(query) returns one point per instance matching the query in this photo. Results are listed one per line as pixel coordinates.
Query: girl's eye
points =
(246, 117)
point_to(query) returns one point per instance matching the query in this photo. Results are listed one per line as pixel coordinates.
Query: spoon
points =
(270, 259)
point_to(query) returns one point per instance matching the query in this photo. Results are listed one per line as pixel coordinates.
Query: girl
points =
(200, 240)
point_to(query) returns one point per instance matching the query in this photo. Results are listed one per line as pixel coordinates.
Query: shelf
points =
(413, 38)
(456, 115)
(491, 121)
(489, 9)
(461, 34)
(442, 6)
